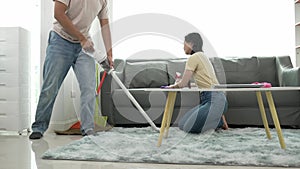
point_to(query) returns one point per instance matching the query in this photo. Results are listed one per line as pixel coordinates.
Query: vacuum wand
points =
(129, 95)
(102, 60)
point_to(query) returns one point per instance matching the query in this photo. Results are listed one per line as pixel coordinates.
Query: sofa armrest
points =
(287, 74)
(290, 76)
(119, 71)
(109, 85)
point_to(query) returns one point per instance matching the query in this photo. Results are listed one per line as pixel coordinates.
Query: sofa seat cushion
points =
(145, 74)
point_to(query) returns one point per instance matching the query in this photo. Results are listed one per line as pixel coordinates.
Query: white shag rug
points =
(244, 147)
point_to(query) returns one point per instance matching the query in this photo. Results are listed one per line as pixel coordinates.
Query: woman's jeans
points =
(61, 55)
(207, 115)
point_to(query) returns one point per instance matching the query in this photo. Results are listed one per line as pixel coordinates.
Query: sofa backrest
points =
(268, 70)
(233, 70)
(141, 73)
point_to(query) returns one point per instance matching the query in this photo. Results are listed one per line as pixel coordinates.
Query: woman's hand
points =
(173, 86)
(225, 125)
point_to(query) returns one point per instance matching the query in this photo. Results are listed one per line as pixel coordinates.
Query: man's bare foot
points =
(225, 125)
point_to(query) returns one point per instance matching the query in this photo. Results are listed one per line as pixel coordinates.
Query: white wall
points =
(46, 25)
(233, 27)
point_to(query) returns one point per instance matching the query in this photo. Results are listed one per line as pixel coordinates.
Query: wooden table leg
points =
(170, 113)
(275, 119)
(167, 115)
(263, 113)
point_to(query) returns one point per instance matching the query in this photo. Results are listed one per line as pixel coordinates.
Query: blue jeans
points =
(61, 55)
(207, 115)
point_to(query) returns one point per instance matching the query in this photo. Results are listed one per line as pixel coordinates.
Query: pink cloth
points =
(265, 84)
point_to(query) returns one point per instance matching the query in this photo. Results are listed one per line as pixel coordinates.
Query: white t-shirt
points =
(82, 13)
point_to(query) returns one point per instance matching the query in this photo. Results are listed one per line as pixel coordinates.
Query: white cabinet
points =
(14, 79)
(297, 31)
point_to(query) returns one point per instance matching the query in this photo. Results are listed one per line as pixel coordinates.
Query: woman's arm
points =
(187, 75)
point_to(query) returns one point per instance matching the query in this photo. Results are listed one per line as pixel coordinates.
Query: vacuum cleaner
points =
(101, 58)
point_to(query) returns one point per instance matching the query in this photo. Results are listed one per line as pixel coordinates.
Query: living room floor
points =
(17, 151)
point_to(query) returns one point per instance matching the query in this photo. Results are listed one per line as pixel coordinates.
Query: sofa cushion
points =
(219, 70)
(145, 74)
(236, 70)
(268, 70)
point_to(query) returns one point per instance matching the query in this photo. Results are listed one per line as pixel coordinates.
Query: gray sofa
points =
(243, 107)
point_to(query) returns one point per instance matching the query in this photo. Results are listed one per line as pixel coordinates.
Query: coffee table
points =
(169, 107)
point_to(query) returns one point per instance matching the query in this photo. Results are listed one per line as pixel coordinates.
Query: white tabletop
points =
(195, 89)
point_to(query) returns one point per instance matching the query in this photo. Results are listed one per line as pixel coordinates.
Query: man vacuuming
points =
(67, 42)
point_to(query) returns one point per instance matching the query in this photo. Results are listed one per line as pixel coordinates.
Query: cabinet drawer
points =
(14, 65)
(9, 80)
(8, 94)
(13, 35)
(13, 50)
(9, 49)
(9, 108)
(12, 79)
(14, 108)
(9, 65)
(14, 123)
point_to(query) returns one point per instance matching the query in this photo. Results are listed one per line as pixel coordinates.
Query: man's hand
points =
(87, 45)
(60, 15)
(110, 61)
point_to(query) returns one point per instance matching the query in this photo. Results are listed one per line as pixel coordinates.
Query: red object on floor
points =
(76, 125)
